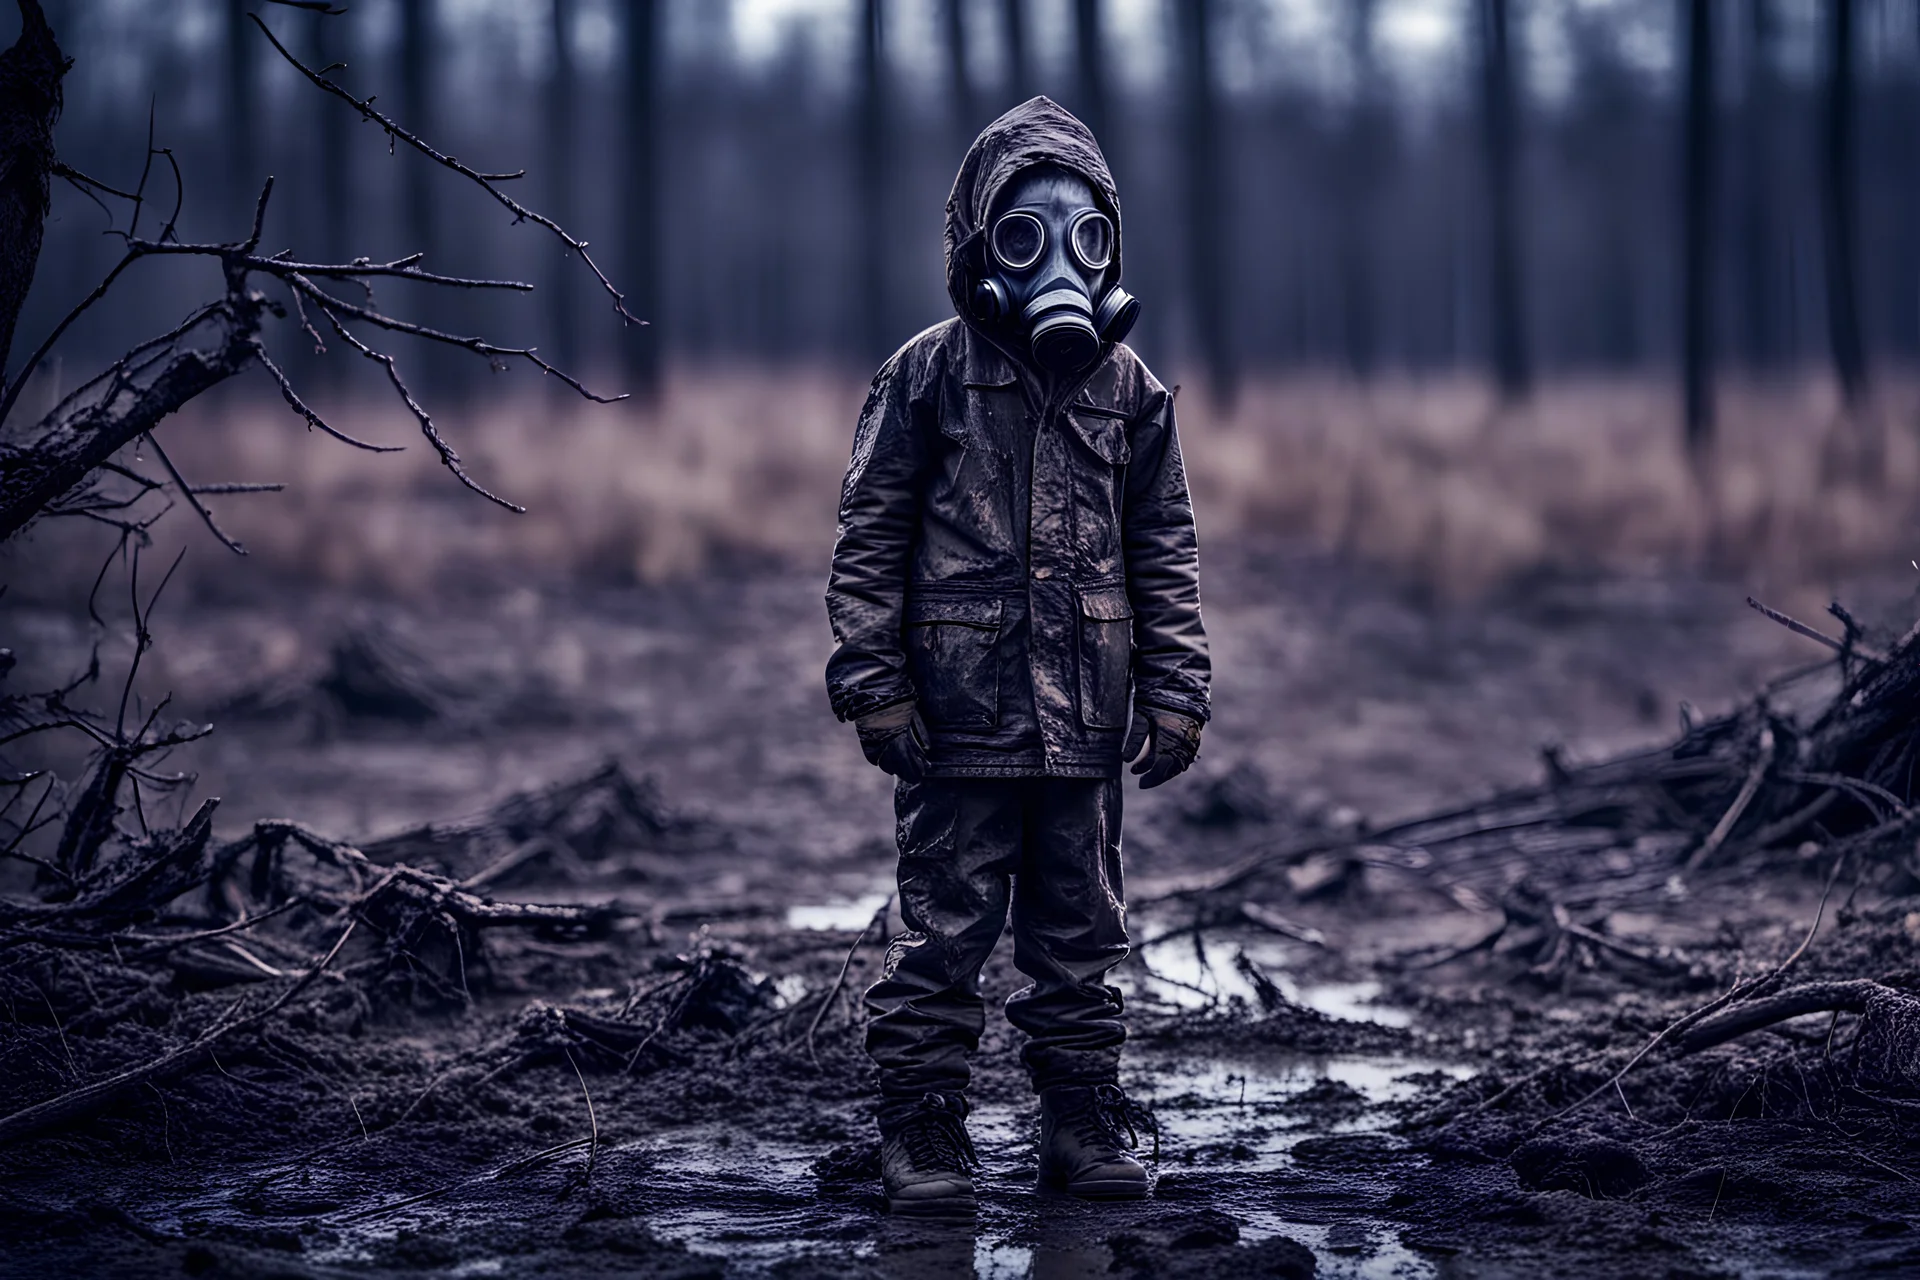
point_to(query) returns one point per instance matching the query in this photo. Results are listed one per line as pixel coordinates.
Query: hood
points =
(1038, 131)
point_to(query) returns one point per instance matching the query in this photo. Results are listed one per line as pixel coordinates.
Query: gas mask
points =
(1049, 277)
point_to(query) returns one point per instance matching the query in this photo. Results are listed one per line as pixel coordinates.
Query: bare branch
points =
(259, 216)
(306, 321)
(85, 186)
(61, 169)
(167, 232)
(88, 1098)
(432, 433)
(142, 637)
(1800, 628)
(193, 498)
(146, 171)
(130, 397)
(478, 346)
(485, 181)
(145, 482)
(140, 389)
(299, 406)
(406, 268)
(19, 383)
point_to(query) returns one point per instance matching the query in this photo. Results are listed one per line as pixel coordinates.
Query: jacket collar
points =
(983, 364)
(986, 366)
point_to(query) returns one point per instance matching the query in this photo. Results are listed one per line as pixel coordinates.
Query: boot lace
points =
(936, 1137)
(1109, 1114)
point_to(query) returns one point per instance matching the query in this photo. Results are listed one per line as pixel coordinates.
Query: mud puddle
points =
(1229, 1129)
(1196, 978)
(848, 915)
(1180, 972)
(756, 1201)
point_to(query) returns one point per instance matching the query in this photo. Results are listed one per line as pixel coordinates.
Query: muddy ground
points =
(681, 1093)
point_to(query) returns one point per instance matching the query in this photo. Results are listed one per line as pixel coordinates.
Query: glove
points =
(1164, 742)
(895, 739)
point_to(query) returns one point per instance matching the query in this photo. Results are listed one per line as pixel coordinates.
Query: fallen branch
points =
(1738, 809)
(1845, 648)
(1738, 993)
(1815, 997)
(88, 1099)
(879, 921)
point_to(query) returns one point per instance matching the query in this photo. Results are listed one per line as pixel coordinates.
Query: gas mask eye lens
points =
(1092, 239)
(1018, 240)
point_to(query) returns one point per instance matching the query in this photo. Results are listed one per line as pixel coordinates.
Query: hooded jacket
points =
(1015, 552)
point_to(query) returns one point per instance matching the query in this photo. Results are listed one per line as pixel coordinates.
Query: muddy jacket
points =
(1017, 555)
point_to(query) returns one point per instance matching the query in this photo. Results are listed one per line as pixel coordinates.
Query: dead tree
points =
(419, 213)
(243, 147)
(1019, 67)
(871, 226)
(1839, 206)
(1205, 193)
(30, 75)
(1499, 120)
(966, 105)
(1355, 182)
(1697, 216)
(50, 462)
(1090, 70)
(330, 49)
(561, 129)
(102, 882)
(641, 198)
(1758, 205)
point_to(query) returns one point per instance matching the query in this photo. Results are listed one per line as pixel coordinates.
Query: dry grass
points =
(1422, 478)
(1431, 481)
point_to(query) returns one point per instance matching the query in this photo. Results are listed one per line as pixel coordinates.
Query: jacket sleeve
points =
(1171, 669)
(879, 520)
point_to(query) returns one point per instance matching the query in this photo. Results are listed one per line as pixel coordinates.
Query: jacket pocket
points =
(1105, 434)
(1106, 656)
(953, 655)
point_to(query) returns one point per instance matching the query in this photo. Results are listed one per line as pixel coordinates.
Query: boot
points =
(1082, 1148)
(926, 1159)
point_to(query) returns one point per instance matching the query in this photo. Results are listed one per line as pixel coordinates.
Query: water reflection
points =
(849, 914)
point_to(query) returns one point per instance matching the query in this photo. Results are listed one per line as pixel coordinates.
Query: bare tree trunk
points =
(418, 215)
(1206, 196)
(966, 105)
(241, 124)
(416, 94)
(1760, 342)
(642, 193)
(1697, 184)
(561, 302)
(1019, 60)
(330, 34)
(1090, 69)
(870, 251)
(1355, 182)
(30, 74)
(1839, 206)
(1512, 364)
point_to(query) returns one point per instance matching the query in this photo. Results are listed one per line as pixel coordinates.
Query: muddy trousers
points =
(970, 848)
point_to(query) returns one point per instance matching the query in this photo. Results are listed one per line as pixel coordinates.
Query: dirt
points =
(1327, 1105)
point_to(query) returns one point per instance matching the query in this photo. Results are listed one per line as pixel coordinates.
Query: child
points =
(1016, 571)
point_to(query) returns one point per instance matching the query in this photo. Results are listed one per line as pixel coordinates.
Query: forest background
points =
(1466, 288)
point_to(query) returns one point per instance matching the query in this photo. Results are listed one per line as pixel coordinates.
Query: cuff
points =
(1196, 709)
